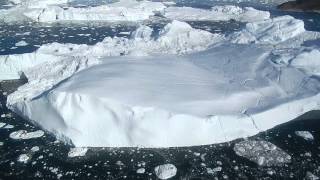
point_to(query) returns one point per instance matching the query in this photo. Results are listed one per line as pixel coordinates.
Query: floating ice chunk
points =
(2, 124)
(22, 134)
(77, 152)
(1, 143)
(311, 176)
(217, 13)
(214, 171)
(8, 126)
(165, 171)
(24, 158)
(35, 149)
(308, 62)
(271, 31)
(141, 171)
(262, 152)
(305, 135)
(21, 43)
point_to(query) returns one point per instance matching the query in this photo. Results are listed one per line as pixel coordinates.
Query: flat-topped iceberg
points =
(215, 96)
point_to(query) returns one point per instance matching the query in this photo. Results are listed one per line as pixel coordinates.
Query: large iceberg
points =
(218, 95)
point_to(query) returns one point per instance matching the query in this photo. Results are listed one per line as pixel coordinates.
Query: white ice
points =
(165, 171)
(305, 135)
(22, 134)
(24, 158)
(175, 38)
(216, 13)
(21, 43)
(77, 152)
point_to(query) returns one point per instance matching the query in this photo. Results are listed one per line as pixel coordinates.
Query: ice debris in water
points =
(1, 143)
(213, 171)
(165, 171)
(35, 149)
(141, 171)
(262, 152)
(310, 176)
(8, 126)
(2, 124)
(21, 43)
(24, 158)
(23, 134)
(77, 152)
(305, 135)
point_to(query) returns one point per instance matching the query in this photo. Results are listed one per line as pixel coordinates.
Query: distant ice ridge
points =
(175, 38)
(125, 10)
(52, 11)
(217, 13)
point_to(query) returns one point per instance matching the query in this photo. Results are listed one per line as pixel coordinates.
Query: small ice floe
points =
(262, 152)
(2, 124)
(213, 171)
(23, 134)
(77, 152)
(1, 143)
(35, 149)
(165, 171)
(24, 158)
(141, 170)
(21, 43)
(305, 135)
(8, 126)
(310, 176)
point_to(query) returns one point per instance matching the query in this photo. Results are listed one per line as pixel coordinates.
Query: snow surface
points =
(165, 171)
(216, 13)
(262, 152)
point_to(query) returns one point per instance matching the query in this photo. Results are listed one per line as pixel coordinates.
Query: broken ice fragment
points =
(165, 171)
(23, 134)
(23, 158)
(2, 124)
(77, 152)
(213, 171)
(262, 152)
(21, 43)
(141, 171)
(35, 149)
(305, 135)
(310, 176)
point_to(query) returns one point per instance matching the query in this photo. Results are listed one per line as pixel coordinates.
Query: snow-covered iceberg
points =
(218, 95)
